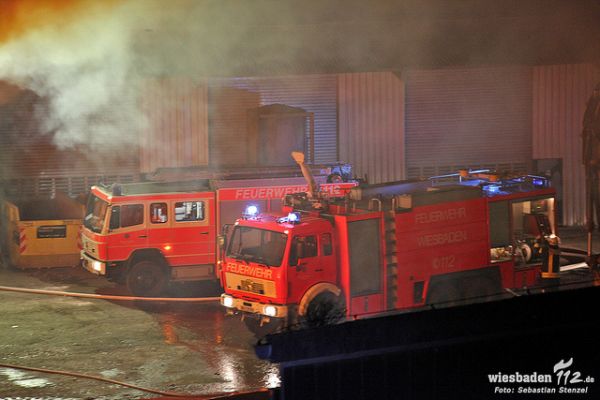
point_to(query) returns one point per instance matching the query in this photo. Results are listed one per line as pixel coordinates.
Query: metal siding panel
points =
(560, 93)
(371, 109)
(468, 116)
(176, 134)
(228, 121)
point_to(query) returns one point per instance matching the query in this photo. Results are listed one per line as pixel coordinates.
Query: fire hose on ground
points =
(116, 298)
(108, 297)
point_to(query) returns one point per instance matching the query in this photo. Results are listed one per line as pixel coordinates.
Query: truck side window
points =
(302, 247)
(326, 247)
(186, 211)
(115, 217)
(158, 213)
(499, 224)
(132, 214)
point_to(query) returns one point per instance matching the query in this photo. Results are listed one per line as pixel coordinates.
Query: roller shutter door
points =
(468, 117)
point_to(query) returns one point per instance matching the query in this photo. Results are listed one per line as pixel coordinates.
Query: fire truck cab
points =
(134, 232)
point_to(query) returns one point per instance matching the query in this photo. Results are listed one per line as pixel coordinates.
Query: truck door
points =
(160, 234)
(128, 231)
(305, 267)
(194, 231)
(365, 266)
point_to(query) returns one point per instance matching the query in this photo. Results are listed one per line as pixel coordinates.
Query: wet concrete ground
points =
(176, 347)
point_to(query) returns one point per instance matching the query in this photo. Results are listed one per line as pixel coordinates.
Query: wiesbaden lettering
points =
(250, 270)
(441, 215)
(440, 239)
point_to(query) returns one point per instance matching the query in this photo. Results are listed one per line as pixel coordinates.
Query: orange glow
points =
(169, 333)
(18, 17)
(167, 247)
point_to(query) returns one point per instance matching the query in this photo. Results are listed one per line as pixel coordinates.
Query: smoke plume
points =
(89, 58)
(76, 55)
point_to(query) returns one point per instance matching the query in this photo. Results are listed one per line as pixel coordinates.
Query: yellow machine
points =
(42, 233)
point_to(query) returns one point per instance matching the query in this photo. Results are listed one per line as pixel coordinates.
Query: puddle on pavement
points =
(23, 379)
(204, 329)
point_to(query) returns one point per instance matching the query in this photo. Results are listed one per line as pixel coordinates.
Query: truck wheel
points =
(325, 309)
(253, 325)
(146, 278)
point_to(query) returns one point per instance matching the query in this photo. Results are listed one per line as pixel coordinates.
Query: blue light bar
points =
(251, 211)
(293, 217)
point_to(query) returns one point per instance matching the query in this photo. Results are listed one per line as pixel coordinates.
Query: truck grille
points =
(249, 286)
(243, 283)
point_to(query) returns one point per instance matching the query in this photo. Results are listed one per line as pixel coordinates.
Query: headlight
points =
(270, 311)
(97, 266)
(227, 301)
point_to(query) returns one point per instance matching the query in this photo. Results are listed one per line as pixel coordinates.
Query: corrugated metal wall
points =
(560, 93)
(496, 116)
(229, 125)
(371, 119)
(313, 93)
(467, 117)
(176, 133)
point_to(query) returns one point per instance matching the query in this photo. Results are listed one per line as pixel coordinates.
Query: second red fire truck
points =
(147, 234)
(387, 247)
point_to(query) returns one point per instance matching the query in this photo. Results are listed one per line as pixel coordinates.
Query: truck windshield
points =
(95, 214)
(257, 245)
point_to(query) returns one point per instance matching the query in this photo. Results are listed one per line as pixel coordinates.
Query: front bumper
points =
(253, 307)
(92, 265)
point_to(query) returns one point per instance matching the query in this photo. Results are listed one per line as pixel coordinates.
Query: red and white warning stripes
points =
(22, 240)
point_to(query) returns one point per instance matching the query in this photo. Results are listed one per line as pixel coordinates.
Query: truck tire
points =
(146, 278)
(325, 309)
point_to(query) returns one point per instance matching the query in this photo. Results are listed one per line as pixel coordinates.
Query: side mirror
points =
(297, 252)
(115, 218)
(222, 241)
(225, 229)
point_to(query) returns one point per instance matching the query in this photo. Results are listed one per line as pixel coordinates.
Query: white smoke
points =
(86, 72)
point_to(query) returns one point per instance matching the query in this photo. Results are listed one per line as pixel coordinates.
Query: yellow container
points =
(42, 233)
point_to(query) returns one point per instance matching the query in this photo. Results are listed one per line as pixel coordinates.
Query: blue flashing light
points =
(251, 211)
(538, 182)
(492, 189)
(293, 218)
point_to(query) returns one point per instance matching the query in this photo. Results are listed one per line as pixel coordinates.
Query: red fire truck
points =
(387, 247)
(146, 234)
